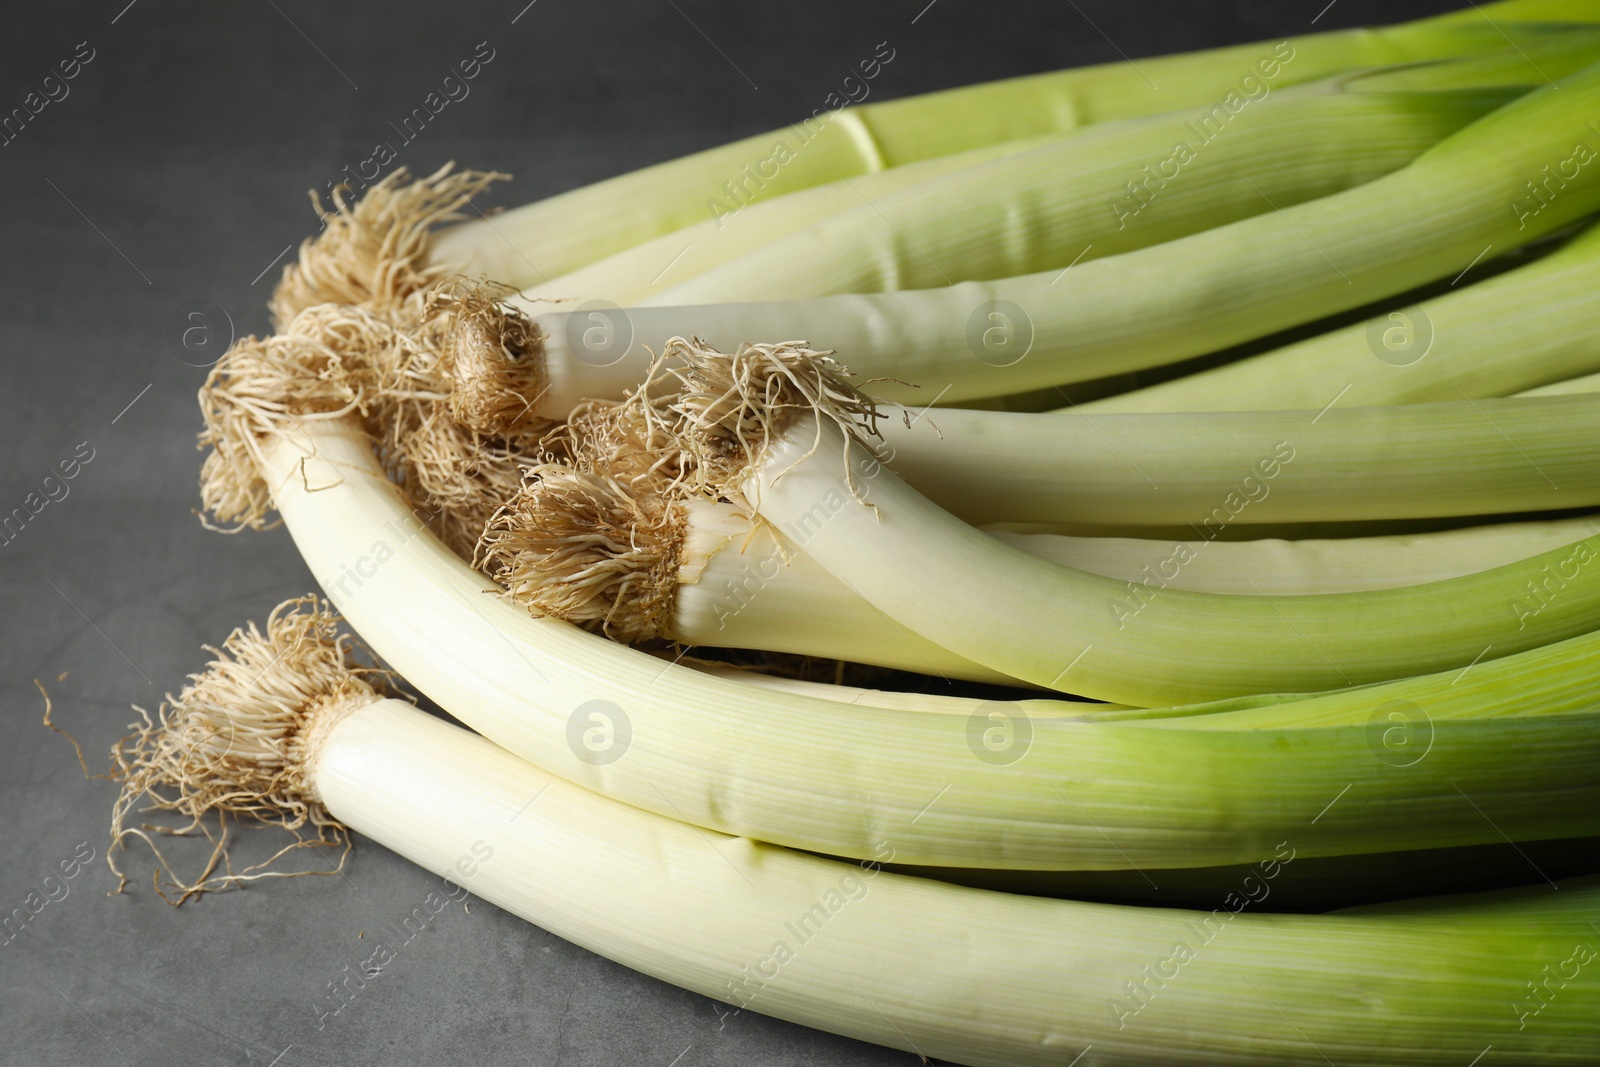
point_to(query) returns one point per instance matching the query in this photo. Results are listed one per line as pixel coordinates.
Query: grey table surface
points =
(171, 171)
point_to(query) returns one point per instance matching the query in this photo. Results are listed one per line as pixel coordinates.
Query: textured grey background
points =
(174, 171)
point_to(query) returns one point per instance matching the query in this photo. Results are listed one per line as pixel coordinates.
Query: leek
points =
(1063, 628)
(1071, 200)
(635, 273)
(1514, 332)
(553, 236)
(1202, 472)
(1209, 471)
(1430, 219)
(385, 248)
(837, 778)
(1421, 982)
(779, 429)
(639, 568)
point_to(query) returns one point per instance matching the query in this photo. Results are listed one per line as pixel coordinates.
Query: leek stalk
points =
(550, 237)
(1209, 471)
(1477, 189)
(837, 778)
(847, 947)
(1067, 629)
(1517, 331)
(389, 245)
(588, 550)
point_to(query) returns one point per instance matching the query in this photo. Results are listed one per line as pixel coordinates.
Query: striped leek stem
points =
(1208, 471)
(1430, 219)
(1023, 206)
(839, 779)
(1317, 565)
(1067, 629)
(1072, 201)
(877, 955)
(1513, 332)
(635, 273)
(592, 551)
(529, 244)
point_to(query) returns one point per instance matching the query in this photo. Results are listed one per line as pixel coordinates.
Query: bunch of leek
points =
(1310, 666)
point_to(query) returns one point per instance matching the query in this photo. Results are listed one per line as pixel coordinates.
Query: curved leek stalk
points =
(550, 237)
(875, 955)
(739, 587)
(1071, 201)
(1209, 471)
(1183, 298)
(838, 779)
(1512, 332)
(1050, 198)
(589, 550)
(1044, 982)
(1070, 630)
(1308, 566)
(635, 273)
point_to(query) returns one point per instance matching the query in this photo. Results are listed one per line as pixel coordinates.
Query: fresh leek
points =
(845, 946)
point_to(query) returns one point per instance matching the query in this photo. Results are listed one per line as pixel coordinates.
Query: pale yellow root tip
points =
(388, 367)
(588, 549)
(493, 357)
(240, 741)
(703, 420)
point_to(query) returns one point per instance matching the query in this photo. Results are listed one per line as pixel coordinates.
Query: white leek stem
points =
(1069, 630)
(838, 779)
(873, 955)
(876, 955)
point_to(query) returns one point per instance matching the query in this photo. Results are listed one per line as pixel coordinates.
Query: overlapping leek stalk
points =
(838, 778)
(845, 946)
(550, 237)
(1514, 332)
(1208, 471)
(633, 564)
(1427, 221)
(778, 428)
